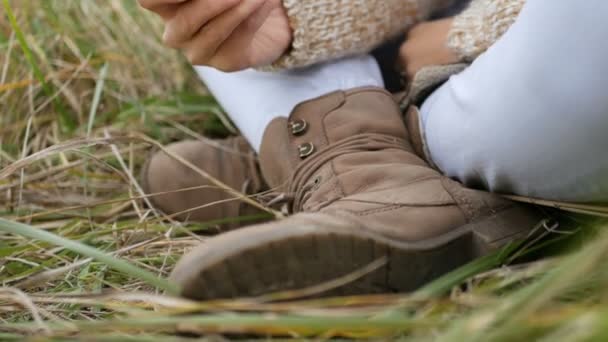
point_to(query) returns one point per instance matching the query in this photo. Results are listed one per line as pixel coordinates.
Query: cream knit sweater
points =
(328, 29)
(482, 24)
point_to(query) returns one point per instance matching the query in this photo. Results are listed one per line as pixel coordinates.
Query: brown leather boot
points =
(189, 196)
(347, 163)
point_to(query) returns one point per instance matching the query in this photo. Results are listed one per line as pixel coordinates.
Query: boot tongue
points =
(277, 161)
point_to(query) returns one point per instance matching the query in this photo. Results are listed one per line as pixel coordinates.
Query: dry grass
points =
(86, 90)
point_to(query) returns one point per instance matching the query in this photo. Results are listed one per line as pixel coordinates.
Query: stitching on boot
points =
(391, 207)
(463, 203)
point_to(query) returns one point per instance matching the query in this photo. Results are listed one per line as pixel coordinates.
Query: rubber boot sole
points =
(311, 250)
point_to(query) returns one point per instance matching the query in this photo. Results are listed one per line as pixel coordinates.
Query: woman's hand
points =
(426, 45)
(229, 35)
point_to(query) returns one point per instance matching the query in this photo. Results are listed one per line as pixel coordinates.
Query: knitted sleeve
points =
(481, 25)
(328, 29)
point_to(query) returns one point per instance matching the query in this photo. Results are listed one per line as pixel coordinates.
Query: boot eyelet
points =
(316, 183)
(305, 150)
(298, 127)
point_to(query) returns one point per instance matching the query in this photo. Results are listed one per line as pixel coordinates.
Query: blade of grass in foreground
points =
(120, 265)
(262, 324)
(447, 282)
(504, 322)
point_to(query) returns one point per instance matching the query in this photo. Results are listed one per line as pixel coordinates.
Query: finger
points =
(229, 56)
(166, 9)
(207, 41)
(166, 12)
(191, 17)
(403, 59)
(152, 4)
(406, 62)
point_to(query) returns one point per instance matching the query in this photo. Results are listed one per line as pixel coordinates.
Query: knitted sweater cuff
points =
(481, 25)
(329, 29)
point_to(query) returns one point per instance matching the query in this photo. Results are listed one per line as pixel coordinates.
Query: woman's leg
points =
(252, 98)
(530, 116)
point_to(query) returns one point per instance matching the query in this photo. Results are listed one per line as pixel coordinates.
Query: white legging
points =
(529, 117)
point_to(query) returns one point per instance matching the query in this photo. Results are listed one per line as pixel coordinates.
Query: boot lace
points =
(298, 187)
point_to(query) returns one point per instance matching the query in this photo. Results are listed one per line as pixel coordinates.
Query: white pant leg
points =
(252, 98)
(530, 116)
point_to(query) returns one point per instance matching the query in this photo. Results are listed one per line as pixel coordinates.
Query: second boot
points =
(185, 195)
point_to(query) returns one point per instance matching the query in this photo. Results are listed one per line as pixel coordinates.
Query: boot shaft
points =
(318, 125)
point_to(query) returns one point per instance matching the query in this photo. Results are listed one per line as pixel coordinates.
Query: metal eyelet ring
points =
(305, 150)
(298, 127)
(316, 183)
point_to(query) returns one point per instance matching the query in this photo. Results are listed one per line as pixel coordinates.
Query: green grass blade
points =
(27, 52)
(445, 283)
(309, 325)
(66, 120)
(97, 98)
(120, 265)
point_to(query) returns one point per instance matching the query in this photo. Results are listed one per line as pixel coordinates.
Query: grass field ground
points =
(86, 91)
